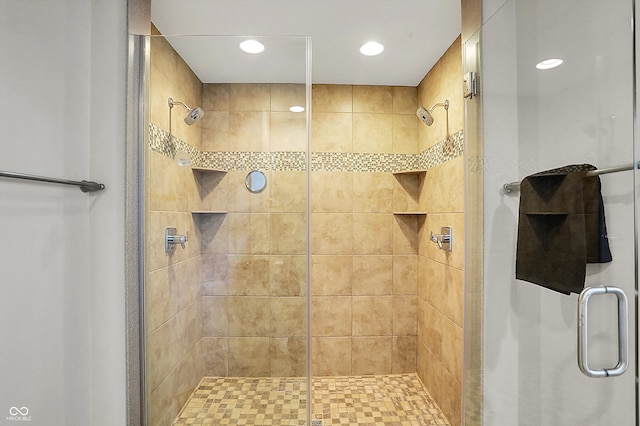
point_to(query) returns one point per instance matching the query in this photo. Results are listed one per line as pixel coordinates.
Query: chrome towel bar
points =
(85, 186)
(508, 188)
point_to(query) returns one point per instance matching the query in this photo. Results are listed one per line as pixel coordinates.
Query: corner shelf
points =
(200, 172)
(410, 213)
(207, 170)
(410, 172)
(208, 212)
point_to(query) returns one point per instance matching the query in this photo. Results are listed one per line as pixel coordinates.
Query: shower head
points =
(193, 115)
(426, 114)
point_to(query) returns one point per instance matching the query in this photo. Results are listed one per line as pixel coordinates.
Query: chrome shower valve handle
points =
(178, 239)
(436, 239)
(444, 239)
(171, 239)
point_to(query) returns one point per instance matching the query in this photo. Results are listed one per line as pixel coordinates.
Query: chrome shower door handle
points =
(583, 335)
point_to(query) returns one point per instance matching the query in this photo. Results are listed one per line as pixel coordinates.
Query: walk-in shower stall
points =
(308, 243)
(261, 244)
(287, 226)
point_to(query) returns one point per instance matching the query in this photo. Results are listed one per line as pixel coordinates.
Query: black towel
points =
(561, 228)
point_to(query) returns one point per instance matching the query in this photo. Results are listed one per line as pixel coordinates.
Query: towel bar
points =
(508, 188)
(85, 186)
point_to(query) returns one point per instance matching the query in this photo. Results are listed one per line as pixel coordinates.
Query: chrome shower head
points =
(193, 115)
(426, 115)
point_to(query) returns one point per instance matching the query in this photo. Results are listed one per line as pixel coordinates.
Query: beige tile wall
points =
(173, 305)
(364, 259)
(385, 300)
(440, 274)
(171, 77)
(254, 257)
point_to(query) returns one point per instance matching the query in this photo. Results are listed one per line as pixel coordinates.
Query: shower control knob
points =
(444, 239)
(171, 239)
(179, 239)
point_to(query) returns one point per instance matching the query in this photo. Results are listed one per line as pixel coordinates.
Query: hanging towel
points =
(561, 228)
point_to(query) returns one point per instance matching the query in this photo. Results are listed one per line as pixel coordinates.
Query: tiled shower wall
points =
(440, 273)
(173, 302)
(363, 318)
(233, 302)
(254, 257)
(364, 261)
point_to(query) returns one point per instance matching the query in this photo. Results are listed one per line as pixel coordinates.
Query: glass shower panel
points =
(536, 119)
(226, 299)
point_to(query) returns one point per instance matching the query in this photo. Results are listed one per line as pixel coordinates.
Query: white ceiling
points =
(415, 33)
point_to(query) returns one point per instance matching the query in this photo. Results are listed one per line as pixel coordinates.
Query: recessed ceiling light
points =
(547, 64)
(371, 48)
(296, 108)
(252, 46)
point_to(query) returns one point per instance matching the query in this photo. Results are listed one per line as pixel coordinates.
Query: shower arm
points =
(172, 103)
(444, 104)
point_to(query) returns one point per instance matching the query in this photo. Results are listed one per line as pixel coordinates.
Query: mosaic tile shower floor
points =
(394, 400)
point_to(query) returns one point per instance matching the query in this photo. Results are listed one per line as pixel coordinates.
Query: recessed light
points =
(547, 64)
(296, 108)
(371, 48)
(252, 46)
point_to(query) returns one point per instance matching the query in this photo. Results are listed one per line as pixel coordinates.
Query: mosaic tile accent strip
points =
(362, 162)
(236, 160)
(169, 146)
(397, 400)
(439, 153)
(443, 151)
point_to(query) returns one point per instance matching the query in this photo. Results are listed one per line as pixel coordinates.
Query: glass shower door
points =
(536, 118)
(226, 291)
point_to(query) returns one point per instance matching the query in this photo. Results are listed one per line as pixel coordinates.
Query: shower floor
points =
(398, 400)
